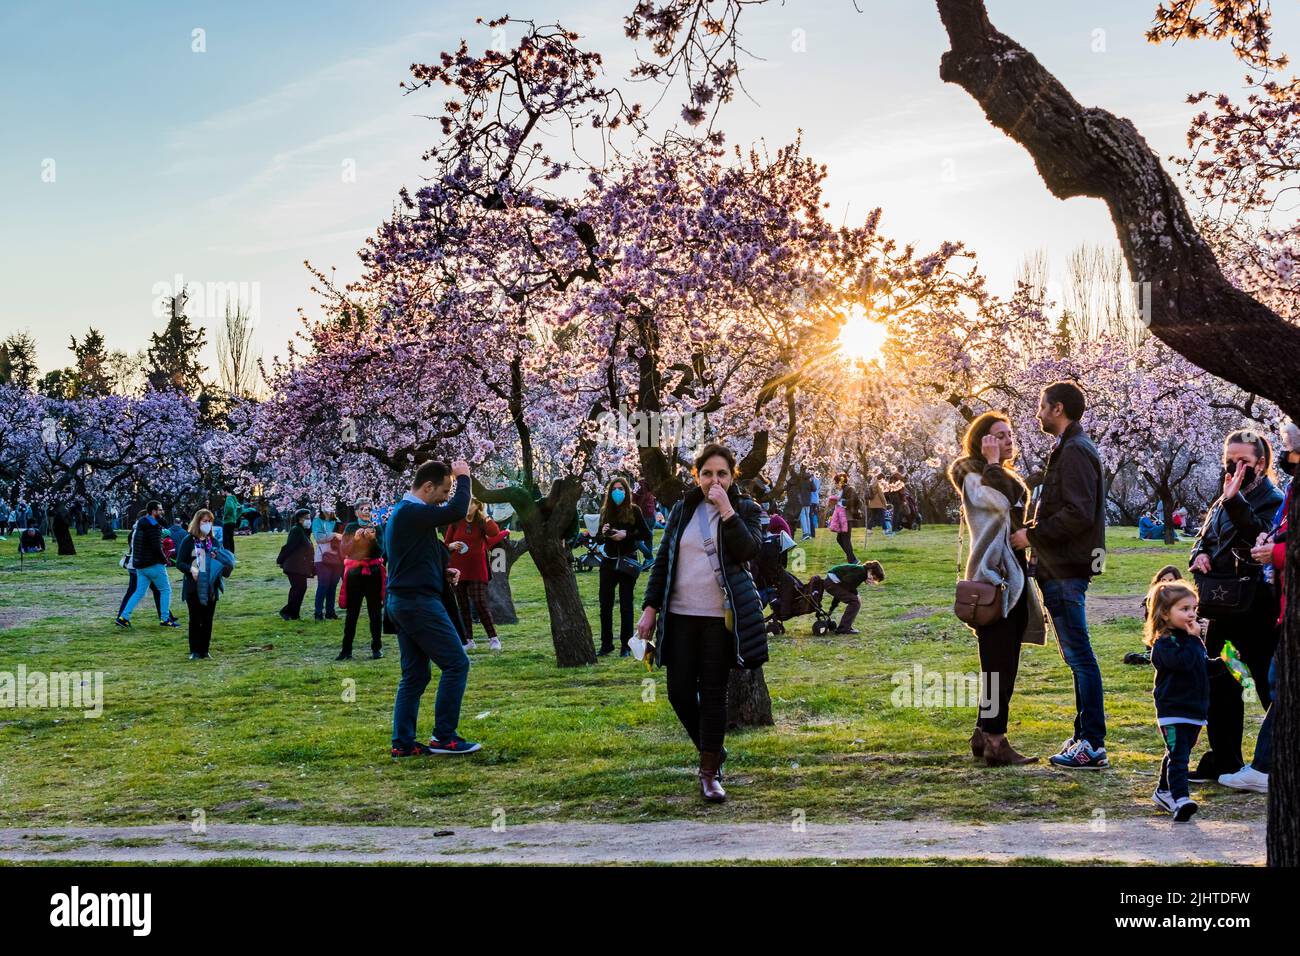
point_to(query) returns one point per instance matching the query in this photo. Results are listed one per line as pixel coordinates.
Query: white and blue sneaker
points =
(1081, 756)
(1184, 809)
(1164, 799)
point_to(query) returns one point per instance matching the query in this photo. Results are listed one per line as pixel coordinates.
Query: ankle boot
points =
(977, 743)
(1002, 754)
(710, 789)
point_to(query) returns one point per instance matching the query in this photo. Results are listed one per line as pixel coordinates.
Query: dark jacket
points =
(185, 560)
(1182, 687)
(146, 544)
(1068, 532)
(417, 557)
(299, 553)
(1234, 525)
(739, 540)
(637, 530)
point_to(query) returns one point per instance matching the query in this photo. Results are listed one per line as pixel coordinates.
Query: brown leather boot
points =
(977, 743)
(1002, 754)
(710, 789)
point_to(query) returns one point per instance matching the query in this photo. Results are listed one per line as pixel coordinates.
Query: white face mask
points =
(206, 527)
(305, 523)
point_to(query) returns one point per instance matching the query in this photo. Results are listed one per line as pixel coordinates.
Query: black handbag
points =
(626, 567)
(1227, 594)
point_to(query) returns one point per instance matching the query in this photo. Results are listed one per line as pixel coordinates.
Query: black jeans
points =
(367, 588)
(845, 539)
(297, 588)
(699, 653)
(1254, 635)
(200, 623)
(1179, 740)
(626, 586)
(228, 537)
(999, 646)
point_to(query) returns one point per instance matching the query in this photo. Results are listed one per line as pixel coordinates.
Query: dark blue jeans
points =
(1179, 740)
(327, 585)
(1264, 742)
(1064, 598)
(425, 633)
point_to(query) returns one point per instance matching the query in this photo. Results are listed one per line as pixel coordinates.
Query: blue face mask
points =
(617, 496)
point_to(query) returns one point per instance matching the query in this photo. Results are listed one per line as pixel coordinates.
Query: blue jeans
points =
(327, 585)
(425, 633)
(1264, 742)
(155, 574)
(1064, 600)
(804, 524)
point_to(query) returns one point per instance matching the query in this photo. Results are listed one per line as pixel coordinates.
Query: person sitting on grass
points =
(1182, 688)
(842, 582)
(1167, 573)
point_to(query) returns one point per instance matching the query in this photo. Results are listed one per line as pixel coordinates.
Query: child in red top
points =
(469, 541)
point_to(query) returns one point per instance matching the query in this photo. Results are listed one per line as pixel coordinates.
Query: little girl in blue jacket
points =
(1182, 688)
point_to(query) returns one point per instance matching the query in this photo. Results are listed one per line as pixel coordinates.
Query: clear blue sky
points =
(226, 166)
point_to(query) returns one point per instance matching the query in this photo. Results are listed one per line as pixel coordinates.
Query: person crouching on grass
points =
(1182, 688)
(842, 582)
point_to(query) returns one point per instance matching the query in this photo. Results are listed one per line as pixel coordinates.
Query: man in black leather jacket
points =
(1068, 537)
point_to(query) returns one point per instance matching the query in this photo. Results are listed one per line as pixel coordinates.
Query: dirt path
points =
(1131, 841)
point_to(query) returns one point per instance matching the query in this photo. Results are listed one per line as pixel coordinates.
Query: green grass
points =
(263, 733)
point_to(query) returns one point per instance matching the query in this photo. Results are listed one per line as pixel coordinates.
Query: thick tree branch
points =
(1091, 152)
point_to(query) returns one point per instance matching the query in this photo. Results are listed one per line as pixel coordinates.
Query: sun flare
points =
(861, 339)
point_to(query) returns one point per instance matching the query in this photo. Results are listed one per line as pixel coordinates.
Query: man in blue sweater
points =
(417, 578)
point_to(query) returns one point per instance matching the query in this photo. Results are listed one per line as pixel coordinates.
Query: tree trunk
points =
(63, 534)
(500, 599)
(1193, 308)
(570, 629)
(1283, 838)
(748, 702)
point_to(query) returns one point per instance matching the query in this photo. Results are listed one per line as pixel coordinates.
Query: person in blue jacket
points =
(417, 585)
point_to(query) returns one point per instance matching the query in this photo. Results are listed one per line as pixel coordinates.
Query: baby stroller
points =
(586, 538)
(784, 594)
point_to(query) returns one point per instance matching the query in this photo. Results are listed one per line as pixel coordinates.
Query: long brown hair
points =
(197, 520)
(1161, 600)
(480, 516)
(611, 513)
(980, 426)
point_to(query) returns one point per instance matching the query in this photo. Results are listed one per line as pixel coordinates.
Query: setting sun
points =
(861, 339)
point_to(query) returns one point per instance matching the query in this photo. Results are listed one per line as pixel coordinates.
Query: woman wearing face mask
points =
(622, 530)
(204, 567)
(1270, 549)
(297, 560)
(1223, 550)
(701, 607)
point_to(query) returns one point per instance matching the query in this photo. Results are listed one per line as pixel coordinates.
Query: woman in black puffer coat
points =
(706, 619)
(1246, 508)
